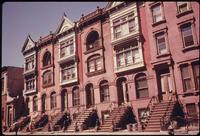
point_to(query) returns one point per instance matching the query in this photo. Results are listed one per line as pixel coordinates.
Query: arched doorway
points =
(89, 95)
(43, 103)
(64, 100)
(122, 90)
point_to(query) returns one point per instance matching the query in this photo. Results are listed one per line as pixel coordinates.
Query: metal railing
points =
(145, 116)
(166, 118)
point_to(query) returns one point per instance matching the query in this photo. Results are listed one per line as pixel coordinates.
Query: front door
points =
(166, 86)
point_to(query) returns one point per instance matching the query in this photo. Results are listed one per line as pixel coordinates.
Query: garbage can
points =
(129, 127)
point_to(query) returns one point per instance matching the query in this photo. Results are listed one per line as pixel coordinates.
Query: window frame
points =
(93, 60)
(49, 75)
(162, 34)
(68, 47)
(196, 75)
(46, 60)
(104, 96)
(30, 60)
(141, 77)
(186, 78)
(53, 98)
(161, 13)
(76, 96)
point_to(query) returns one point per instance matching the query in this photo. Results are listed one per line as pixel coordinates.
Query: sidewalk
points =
(105, 133)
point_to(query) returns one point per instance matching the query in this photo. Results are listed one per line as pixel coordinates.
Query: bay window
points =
(30, 83)
(123, 25)
(67, 48)
(127, 56)
(68, 71)
(29, 64)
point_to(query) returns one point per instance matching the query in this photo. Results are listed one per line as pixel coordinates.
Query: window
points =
(94, 63)
(29, 64)
(187, 35)
(92, 40)
(191, 109)
(141, 86)
(67, 48)
(76, 96)
(182, 6)
(157, 13)
(127, 56)
(123, 25)
(161, 43)
(47, 59)
(30, 83)
(196, 75)
(47, 77)
(186, 78)
(53, 100)
(68, 71)
(104, 91)
(35, 103)
(2, 85)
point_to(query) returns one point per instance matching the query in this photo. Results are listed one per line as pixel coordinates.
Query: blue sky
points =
(35, 18)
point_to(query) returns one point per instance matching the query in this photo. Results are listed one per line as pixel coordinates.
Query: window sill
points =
(159, 22)
(51, 65)
(92, 50)
(163, 55)
(180, 14)
(190, 93)
(89, 74)
(47, 85)
(192, 47)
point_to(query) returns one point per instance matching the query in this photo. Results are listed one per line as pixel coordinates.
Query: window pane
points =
(98, 63)
(185, 72)
(117, 31)
(136, 56)
(143, 93)
(157, 15)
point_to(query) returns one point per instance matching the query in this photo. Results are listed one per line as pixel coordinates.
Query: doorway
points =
(64, 99)
(43, 103)
(89, 95)
(122, 91)
(164, 83)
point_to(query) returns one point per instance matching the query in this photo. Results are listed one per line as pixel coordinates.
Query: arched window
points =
(35, 103)
(53, 100)
(92, 40)
(47, 77)
(47, 59)
(104, 91)
(94, 63)
(75, 96)
(141, 86)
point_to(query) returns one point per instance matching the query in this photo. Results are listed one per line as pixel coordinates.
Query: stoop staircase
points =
(160, 112)
(115, 120)
(54, 122)
(81, 119)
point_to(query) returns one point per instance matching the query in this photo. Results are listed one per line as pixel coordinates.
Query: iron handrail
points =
(149, 108)
(166, 118)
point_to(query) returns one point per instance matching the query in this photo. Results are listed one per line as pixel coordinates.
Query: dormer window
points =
(29, 63)
(47, 59)
(92, 40)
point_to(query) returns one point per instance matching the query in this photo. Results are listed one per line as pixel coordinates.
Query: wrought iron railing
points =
(145, 116)
(166, 118)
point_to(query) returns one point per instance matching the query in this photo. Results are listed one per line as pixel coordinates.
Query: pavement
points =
(105, 133)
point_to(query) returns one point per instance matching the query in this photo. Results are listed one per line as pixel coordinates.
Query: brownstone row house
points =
(11, 94)
(114, 65)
